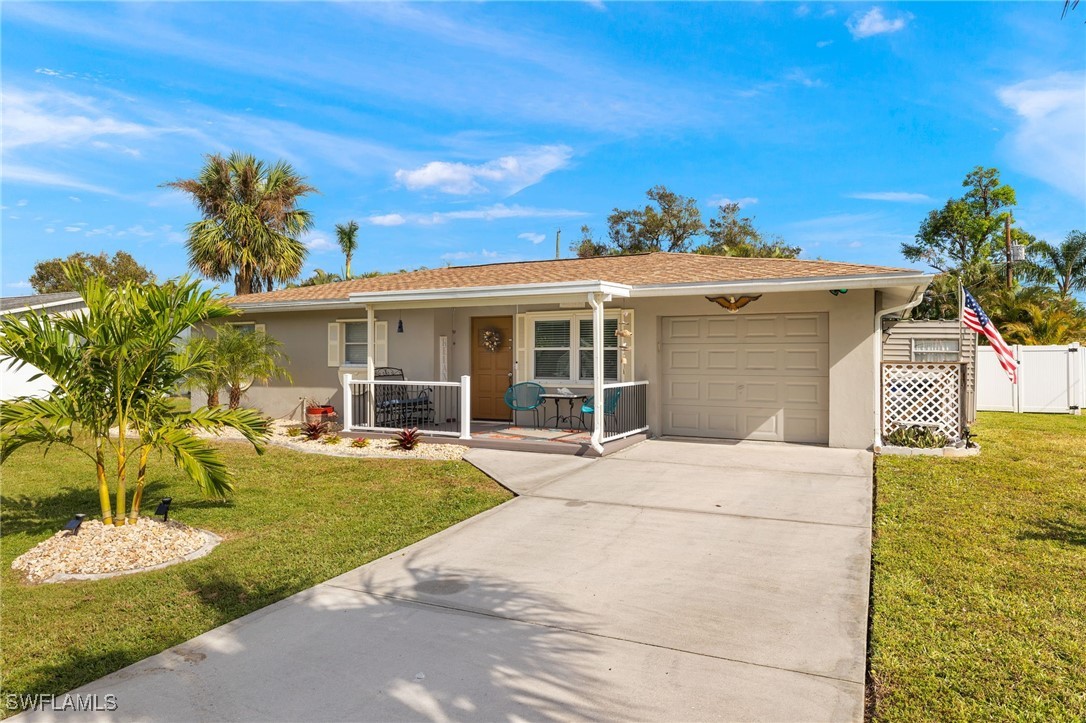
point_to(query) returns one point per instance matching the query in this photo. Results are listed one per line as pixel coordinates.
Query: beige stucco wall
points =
(852, 347)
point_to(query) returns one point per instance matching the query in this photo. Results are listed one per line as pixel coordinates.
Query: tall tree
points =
(964, 238)
(669, 225)
(114, 368)
(1063, 266)
(251, 222)
(588, 246)
(347, 235)
(733, 235)
(245, 357)
(50, 276)
(319, 277)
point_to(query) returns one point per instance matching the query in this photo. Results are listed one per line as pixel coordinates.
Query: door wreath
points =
(492, 339)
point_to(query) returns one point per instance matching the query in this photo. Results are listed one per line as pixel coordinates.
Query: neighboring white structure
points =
(1050, 379)
(21, 382)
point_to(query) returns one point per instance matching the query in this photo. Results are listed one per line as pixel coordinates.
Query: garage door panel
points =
(756, 376)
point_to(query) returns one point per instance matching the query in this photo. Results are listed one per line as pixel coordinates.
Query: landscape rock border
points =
(211, 541)
(891, 450)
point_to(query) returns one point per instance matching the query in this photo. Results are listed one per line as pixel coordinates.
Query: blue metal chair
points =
(610, 404)
(525, 397)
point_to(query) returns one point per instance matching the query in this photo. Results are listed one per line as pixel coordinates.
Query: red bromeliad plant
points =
(408, 438)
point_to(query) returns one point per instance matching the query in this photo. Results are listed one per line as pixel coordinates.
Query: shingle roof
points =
(19, 302)
(632, 270)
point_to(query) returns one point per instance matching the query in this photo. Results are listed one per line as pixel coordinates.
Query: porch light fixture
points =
(73, 524)
(164, 508)
(733, 304)
(399, 326)
(838, 292)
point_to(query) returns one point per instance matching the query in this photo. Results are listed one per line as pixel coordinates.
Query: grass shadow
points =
(1069, 526)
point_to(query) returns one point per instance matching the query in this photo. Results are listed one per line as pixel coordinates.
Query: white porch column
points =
(371, 337)
(348, 404)
(595, 300)
(465, 407)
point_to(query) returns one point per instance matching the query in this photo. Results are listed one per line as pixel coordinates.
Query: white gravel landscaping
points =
(377, 448)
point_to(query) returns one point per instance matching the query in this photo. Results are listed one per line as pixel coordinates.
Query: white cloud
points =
(388, 219)
(52, 73)
(21, 202)
(1049, 143)
(498, 211)
(318, 243)
(892, 196)
(36, 176)
(484, 254)
(855, 245)
(873, 22)
(72, 229)
(50, 230)
(510, 173)
(75, 198)
(799, 76)
(139, 230)
(535, 238)
(59, 119)
(718, 200)
(802, 10)
(20, 285)
(823, 43)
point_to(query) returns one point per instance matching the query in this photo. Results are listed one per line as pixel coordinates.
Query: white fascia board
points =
(269, 306)
(38, 307)
(768, 286)
(492, 293)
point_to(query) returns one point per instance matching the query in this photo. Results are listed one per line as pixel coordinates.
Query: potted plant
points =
(316, 413)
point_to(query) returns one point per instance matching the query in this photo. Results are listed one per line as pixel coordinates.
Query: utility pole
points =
(1010, 262)
(557, 245)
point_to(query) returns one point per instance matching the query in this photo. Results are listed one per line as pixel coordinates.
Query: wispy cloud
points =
(892, 196)
(800, 76)
(823, 43)
(718, 200)
(465, 255)
(874, 22)
(802, 10)
(1048, 142)
(510, 173)
(39, 177)
(318, 242)
(60, 119)
(388, 219)
(498, 211)
(536, 238)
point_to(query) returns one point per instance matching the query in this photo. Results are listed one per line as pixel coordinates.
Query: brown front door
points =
(491, 366)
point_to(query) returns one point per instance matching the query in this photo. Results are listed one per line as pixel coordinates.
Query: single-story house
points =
(26, 381)
(701, 346)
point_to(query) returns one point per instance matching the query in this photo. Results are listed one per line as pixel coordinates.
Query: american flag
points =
(975, 318)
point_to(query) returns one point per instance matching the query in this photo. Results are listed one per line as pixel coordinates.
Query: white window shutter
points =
(626, 371)
(520, 331)
(380, 344)
(259, 328)
(333, 343)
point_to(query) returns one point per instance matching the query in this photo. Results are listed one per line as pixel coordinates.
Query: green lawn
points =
(296, 519)
(980, 577)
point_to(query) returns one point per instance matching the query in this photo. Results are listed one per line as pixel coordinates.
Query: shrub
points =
(408, 438)
(294, 431)
(314, 430)
(360, 443)
(917, 437)
(331, 438)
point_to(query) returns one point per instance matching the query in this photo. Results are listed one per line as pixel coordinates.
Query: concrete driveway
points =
(675, 580)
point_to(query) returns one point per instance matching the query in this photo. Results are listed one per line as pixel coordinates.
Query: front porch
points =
(442, 412)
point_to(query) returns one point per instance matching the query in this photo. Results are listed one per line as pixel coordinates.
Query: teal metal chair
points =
(610, 404)
(525, 397)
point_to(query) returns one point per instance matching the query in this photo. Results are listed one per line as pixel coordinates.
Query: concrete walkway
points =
(671, 581)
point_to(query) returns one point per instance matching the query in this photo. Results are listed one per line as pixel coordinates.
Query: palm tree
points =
(210, 379)
(242, 357)
(114, 368)
(1046, 325)
(251, 222)
(320, 276)
(1063, 266)
(347, 235)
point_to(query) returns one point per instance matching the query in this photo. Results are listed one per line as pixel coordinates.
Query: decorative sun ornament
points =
(733, 303)
(492, 339)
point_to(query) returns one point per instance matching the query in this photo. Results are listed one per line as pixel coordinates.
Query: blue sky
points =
(468, 133)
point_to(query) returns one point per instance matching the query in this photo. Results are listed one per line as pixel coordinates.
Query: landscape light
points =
(73, 524)
(164, 508)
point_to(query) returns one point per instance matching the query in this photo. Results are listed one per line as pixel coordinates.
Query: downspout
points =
(914, 300)
(595, 300)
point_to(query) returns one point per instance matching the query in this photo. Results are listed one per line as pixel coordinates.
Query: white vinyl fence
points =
(1050, 379)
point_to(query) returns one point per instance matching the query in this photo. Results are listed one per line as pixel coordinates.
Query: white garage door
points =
(759, 376)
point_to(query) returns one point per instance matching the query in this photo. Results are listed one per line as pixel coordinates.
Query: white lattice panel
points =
(927, 395)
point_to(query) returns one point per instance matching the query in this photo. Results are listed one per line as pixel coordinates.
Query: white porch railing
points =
(389, 405)
(625, 409)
